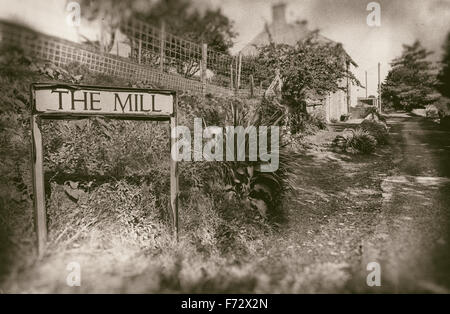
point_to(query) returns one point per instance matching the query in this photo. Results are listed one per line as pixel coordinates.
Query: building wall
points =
(353, 90)
(336, 106)
(354, 96)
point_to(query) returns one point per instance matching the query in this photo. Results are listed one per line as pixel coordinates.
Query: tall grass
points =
(107, 196)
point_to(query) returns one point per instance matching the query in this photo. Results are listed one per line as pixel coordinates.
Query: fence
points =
(154, 56)
(172, 54)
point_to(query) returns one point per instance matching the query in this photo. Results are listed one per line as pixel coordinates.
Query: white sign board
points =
(57, 101)
(102, 101)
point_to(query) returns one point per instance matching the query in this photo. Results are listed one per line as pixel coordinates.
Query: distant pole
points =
(366, 86)
(379, 86)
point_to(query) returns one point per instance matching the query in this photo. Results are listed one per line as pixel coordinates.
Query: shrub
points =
(319, 119)
(307, 123)
(362, 141)
(373, 113)
(260, 191)
(377, 129)
(340, 143)
(432, 112)
(91, 154)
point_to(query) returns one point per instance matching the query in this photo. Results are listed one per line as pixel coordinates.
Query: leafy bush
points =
(302, 67)
(318, 117)
(258, 191)
(16, 215)
(362, 141)
(307, 123)
(377, 129)
(82, 156)
(107, 187)
(432, 112)
(340, 142)
(373, 114)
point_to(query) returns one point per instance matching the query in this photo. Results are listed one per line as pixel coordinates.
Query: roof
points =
(286, 33)
(281, 32)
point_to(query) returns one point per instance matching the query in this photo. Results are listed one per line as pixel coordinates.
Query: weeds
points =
(362, 141)
(107, 197)
(377, 129)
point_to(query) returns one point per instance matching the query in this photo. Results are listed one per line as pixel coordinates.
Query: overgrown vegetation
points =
(180, 17)
(107, 198)
(104, 191)
(378, 130)
(444, 73)
(309, 70)
(363, 139)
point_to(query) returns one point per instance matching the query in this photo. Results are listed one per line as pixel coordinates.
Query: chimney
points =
(279, 14)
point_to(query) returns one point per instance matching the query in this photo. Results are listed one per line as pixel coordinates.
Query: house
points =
(281, 32)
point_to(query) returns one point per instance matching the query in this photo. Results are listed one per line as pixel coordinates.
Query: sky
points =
(402, 22)
(345, 21)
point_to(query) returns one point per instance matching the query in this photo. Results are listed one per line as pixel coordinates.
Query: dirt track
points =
(412, 237)
(391, 208)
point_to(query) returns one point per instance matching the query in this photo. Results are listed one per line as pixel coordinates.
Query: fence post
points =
(132, 46)
(140, 51)
(38, 186)
(238, 83)
(162, 38)
(231, 74)
(204, 64)
(236, 70)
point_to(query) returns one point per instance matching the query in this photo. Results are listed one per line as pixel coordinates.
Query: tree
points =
(411, 82)
(110, 14)
(180, 17)
(310, 70)
(444, 74)
(184, 20)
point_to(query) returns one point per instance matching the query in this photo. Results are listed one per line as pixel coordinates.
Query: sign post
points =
(59, 101)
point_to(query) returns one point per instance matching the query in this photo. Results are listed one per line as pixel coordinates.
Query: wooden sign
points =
(105, 101)
(58, 101)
